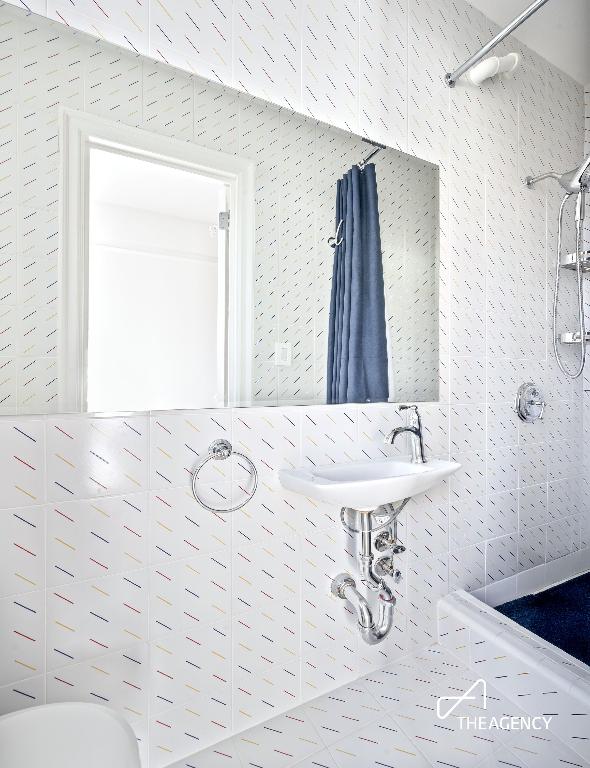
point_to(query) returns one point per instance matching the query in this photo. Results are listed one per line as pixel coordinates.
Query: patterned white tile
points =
(96, 457)
(469, 481)
(319, 760)
(329, 435)
(267, 51)
(114, 84)
(428, 50)
(194, 38)
(532, 464)
(502, 470)
(191, 684)
(428, 579)
(532, 547)
(180, 527)
(382, 741)
(467, 568)
(502, 426)
(335, 715)
(27, 693)
(532, 506)
(281, 741)
(178, 602)
(267, 576)
(124, 24)
(88, 619)
(502, 514)
(468, 519)
(562, 537)
(330, 53)
(468, 381)
(383, 71)
(270, 437)
(217, 114)
(22, 567)
(267, 678)
(90, 539)
(501, 558)
(427, 525)
(23, 636)
(168, 102)
(468, 428)
(23, 466)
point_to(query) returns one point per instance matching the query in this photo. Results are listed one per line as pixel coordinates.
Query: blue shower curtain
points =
(357, 340)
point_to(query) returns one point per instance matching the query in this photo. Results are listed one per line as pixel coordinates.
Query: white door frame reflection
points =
(81, 133)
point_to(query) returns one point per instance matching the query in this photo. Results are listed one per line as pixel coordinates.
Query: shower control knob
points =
(529, 404)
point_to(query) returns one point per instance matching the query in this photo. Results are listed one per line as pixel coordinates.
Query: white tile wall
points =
(116, 586)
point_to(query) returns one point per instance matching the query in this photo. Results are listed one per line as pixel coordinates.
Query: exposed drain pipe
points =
(372, 573)
(344, 587)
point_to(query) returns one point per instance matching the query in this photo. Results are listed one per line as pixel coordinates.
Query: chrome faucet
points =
(414, 429)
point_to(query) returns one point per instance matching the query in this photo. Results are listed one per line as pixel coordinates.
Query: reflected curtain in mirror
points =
(202, 278)
(357, 342)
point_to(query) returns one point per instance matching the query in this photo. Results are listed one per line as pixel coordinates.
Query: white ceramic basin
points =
(68, 735)
(367, 485)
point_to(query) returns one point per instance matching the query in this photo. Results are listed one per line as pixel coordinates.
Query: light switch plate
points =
(282, 354)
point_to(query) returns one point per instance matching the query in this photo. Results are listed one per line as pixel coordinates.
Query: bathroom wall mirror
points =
(273, 260)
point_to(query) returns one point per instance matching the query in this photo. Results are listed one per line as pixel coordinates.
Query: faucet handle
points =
(414, 414)
(415, 425)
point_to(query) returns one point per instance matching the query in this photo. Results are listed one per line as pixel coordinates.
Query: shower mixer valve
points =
(529, 404)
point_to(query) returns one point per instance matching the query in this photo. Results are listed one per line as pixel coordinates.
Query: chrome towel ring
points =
(218, 451)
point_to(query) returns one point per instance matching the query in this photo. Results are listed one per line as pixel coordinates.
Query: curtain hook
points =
(334, 241)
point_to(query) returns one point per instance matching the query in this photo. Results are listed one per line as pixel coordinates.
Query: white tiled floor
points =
(389, 720)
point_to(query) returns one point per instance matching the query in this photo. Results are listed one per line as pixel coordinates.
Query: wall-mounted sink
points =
(367, 485)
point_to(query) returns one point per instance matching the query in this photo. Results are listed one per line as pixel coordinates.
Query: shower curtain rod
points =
(378, 148)
(452, 77)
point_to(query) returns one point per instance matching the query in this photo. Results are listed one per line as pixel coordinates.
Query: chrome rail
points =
(452, 77)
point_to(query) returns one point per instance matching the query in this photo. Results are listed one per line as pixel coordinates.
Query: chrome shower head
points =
(578, 179)
(572, 181)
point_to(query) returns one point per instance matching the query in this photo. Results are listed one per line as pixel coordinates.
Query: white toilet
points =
(68, 735)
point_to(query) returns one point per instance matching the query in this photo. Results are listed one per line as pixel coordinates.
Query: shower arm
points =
(530, 181)
(452, 77)
(574, 182)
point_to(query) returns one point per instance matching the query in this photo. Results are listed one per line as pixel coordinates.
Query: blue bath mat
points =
(560, 615)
